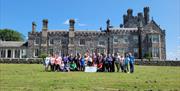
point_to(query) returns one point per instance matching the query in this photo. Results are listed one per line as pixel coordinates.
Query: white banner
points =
(90, 69)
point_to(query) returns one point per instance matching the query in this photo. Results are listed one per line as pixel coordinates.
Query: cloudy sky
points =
(91, 15)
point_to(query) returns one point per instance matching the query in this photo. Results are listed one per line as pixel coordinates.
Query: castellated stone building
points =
(138, 34)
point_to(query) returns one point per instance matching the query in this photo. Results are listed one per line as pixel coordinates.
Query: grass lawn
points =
(31, 77)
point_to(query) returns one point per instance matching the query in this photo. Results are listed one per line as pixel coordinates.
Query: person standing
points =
(105, 63)
(47, 62)
(52, 60)
(131, 63)
(57, 62)
(82, 64)
(117, 61)
(122, 63)
(126, 62)
(109, 59)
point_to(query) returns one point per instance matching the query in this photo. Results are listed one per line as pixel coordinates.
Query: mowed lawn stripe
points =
(32, 77)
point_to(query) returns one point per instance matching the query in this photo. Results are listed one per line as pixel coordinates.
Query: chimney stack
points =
(71, 24)
(33, 27)
(45, 24)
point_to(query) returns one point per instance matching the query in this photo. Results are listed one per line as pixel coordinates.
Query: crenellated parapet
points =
(130, 21)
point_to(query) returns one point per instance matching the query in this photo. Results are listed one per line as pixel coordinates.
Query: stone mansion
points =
(138, 34)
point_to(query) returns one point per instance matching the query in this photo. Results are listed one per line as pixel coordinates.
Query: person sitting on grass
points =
(100, 67)
(66, 63)
(126, 62)
(73, 66)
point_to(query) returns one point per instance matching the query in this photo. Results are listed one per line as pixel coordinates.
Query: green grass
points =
(31, 77)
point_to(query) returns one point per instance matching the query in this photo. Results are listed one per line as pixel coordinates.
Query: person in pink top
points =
(57, 62)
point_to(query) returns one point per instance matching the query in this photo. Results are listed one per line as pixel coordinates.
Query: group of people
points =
(103, 62)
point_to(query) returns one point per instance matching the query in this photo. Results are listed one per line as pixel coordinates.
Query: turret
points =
(146, 14)
(129, 12)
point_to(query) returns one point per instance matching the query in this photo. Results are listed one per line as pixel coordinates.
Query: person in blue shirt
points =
(126, 62)
(82, 64)
(109, 65)
(131, 63)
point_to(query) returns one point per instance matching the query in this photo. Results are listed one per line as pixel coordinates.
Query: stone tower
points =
(71, 46)
(44, 38)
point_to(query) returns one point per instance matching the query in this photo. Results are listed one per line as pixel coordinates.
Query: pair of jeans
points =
(131, 67)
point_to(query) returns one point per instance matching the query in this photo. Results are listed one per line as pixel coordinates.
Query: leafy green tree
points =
(10, 35)
(148, 56)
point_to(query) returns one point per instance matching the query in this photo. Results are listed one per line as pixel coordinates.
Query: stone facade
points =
(138, 34)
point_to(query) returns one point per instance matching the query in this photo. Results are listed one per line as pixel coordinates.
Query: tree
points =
(10, 35)
(148, 56)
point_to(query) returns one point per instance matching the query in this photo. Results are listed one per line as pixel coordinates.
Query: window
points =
(51, 51)
(23, 53)
(154, 38)
(102, 43)
(135, 52)
(135, 38)
(36, 52)
(155, 52)
(3, 53)
(122, 50)
(37, 41)
(17, 53)
(51, 41)
(63, 41)
(9, 54)
(115, 39)
(82, 42)
(123, 39)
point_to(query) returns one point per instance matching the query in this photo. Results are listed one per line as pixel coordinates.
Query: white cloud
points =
(77, 22)
(82, 25)
(66, 22)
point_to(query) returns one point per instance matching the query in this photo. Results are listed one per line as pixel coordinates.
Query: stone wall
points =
(22, 60)
(157, 62)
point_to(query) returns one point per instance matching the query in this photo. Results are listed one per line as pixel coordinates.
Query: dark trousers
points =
(131, 67)
(117, 66)
(52, 67)
(57, 67)
(122, 67)
(126, 69)
(106, 67)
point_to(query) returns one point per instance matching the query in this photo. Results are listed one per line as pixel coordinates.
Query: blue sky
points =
(91, 14)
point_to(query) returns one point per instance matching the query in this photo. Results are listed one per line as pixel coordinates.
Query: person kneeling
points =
(73, 66)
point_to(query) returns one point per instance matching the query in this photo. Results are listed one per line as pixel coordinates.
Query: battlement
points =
(130, 21)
